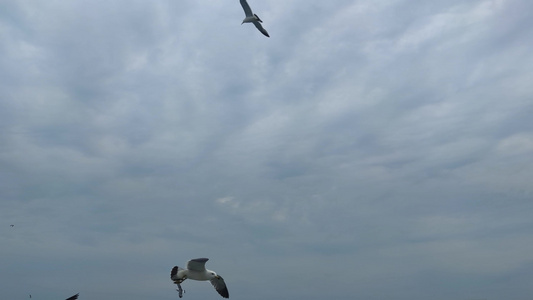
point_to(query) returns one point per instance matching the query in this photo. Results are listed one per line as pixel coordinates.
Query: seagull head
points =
(212, 274)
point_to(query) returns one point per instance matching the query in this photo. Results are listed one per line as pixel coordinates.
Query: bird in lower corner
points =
(73, 297)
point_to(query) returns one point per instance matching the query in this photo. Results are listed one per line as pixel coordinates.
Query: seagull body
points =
(196, 270)
(252, 18)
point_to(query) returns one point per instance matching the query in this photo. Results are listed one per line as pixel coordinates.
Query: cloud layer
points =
(373, 150)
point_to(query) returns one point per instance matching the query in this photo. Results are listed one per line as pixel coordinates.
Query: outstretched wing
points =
(260, 27)
(73, 297)
(197, 264)
(247, 9)
(220, 286)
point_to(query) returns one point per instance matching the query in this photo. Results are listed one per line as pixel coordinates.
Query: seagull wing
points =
(247, 9)
(220, 286)
(73, 297)
(197, 264)
(260, 27)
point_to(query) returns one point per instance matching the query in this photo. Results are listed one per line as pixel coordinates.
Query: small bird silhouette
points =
(73, 297)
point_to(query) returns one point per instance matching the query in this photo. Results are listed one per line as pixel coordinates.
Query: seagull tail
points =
(174, 273)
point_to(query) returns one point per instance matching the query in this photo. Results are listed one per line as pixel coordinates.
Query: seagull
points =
(73, 297)
(252, 18)
(196, 271)
(12, 225)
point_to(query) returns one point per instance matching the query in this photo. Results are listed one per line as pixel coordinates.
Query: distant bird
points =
(69, 298)
(196, 271)
(73, 297)
(13, 226)
(252, 18)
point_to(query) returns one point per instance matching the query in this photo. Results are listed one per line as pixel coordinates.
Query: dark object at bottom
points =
(180, 290)
(73, 297)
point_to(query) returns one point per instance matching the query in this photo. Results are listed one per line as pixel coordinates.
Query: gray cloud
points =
(374, 149)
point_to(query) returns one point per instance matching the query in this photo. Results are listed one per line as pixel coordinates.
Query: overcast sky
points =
(370, 149)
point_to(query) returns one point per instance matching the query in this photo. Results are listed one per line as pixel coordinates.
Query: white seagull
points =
(196, 270)
(252, 18)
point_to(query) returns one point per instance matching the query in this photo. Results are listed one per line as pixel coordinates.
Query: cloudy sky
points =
(370, 149)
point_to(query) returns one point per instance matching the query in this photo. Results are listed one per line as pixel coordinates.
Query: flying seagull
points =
(196, 270)
(73, 297)
(12, 225)
(252, 18)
